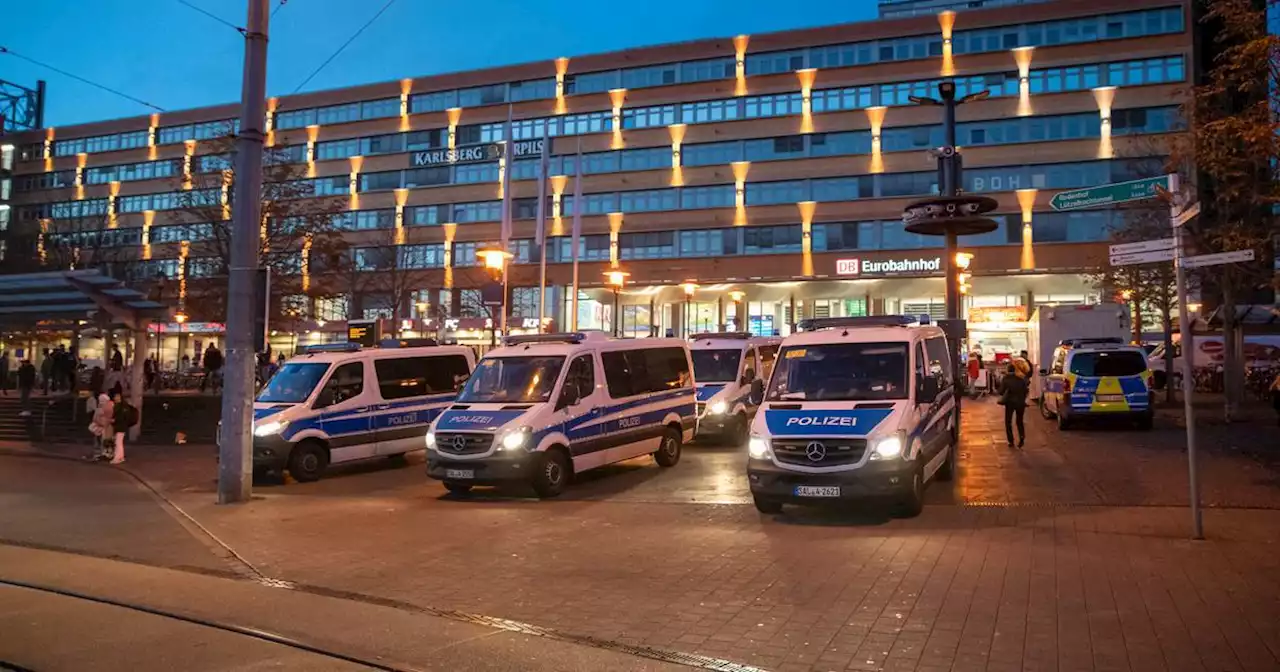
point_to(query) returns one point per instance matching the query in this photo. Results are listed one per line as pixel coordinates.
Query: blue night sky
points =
(167, 54)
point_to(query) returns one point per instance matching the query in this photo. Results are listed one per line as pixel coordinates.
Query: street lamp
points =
(495, 260)
(689, 288)
(616, 279)
(736, 297)
(963, 259)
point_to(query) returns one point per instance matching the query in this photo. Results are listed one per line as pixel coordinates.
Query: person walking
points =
(101, 427)
(26, 382)
(1013, 396)
(117, 358)
(4, 373)
(124, 417)
(212, 367)
(46, 369)
(149, 374)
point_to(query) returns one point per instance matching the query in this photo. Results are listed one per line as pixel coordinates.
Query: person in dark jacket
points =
(123, 417)
(26, 381)
(1013, 396)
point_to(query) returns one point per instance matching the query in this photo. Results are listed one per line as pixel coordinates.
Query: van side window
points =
(583, 372)
(749, 362)
(346, 382)
(922, 368)
(631, 372)
(405, 377)
(939, 361)
(768, 353)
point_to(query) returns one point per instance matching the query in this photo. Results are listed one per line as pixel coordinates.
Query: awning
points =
(65, 299)
(1256, 318)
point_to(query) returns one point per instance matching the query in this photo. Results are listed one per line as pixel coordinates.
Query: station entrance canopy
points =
(64, 299)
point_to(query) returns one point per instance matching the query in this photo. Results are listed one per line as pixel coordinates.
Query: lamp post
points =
(495, 260)
(616, 279)
(736, 297)
(689, 288)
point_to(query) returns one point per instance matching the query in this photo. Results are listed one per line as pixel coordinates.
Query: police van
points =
(728, 367)
(544, 407)
(340, 403)
(1095, 378)
(856, 407)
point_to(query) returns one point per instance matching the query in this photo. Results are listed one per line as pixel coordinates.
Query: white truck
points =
(1050, 325)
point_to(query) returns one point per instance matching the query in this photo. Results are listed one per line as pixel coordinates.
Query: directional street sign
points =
(1186, 215)
(1219, 258)
(1125, 249)
(1108, 194)
(1142, 257)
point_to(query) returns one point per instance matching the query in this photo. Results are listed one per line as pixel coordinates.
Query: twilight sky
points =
(172, 56)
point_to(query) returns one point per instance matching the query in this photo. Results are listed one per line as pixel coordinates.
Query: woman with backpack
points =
(124, 417)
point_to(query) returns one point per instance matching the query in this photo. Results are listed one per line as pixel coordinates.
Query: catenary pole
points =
(235, 449)
(544, 164)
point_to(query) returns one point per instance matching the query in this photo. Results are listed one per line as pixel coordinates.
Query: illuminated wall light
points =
(450, 228)
(454, 114)
(740, 191)
(558, 183)
(947, 21)
(1105, 95)
(183, 251)
(502, 173)
(615, 226)
(44, 228)
(562, 68)
(224, 195)
(81, 160)
(48, 150)
(113, 191)
(148, 218)
(402, 197)
(677, 139)
(875, 115)
(617, 97)
(75, 257)
(270, 121)
(304, 263)
(313, 132)
(1022, 55)
(187, 159)
(806, 98)
(740, 64)
(152, 131)
(806, 242)
(406, 85)
(353, 182)
(1027, 202)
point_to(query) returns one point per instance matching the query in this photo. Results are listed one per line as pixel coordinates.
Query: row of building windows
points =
(1048, 33)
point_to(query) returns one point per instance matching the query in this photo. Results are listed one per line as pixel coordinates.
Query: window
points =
(649, 200)
(649, 117)
(831, 100)
(592, 82)
(645, 159)
(765, 149)
(380, 109)
(773, 63)
(711, 111)
(632, 372)
(769, 193)
(536, 89)
(778, 105)
(337, 149)
(656, 75)
(426, 177)
(482, 95)
(708, 242)
(711, 154)
(842, 188)
(580, 378)
(338, 114)
(380, 181)
(719, 196)
(1103, 363)
(701, 71)
(649, 245)
(437, 101)
(939, 361)
(772, 239)
(347, 382)
(406, 377)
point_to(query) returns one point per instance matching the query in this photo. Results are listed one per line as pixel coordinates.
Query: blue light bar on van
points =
(407, 343)
(569, 337)
(817, 323)
(739, 335)
(328, 347)
(1077, 342)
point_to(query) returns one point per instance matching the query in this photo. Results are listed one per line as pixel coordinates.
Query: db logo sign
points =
(847, 267)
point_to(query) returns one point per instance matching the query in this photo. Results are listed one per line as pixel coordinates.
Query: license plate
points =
(1110, 397)
(459, 473)
(817, 491)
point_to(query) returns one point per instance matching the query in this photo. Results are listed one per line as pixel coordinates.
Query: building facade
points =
(748, 181)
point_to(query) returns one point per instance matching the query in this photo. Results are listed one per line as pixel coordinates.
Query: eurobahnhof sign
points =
(896, 266)
(491, 151)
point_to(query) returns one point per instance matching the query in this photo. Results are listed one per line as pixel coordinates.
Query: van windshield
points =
(293, 383)
(840, 372)
(512, 380)
(716, 366)
(1119, 363)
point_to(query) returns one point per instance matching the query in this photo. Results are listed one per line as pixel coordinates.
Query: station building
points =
(748, 181)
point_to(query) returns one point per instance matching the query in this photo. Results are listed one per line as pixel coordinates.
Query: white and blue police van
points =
(544, 407)
(730, 369)
(856, 408)
(340, 403)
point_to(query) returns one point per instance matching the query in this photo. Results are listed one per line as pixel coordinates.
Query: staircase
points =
(61, 419)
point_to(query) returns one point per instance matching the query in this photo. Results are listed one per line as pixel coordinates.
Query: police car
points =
(856, 407)
(341, 403)
(730, 369)
(545, 407)
(1094, 378)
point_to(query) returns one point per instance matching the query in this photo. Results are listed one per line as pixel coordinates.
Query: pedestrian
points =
(212, 367)
(149, 373)
(1275, 396)
(117, 359)
(124, 417)
(114, 378)
(97, 381)
(186, 362)
(4, 373)
(101, 428)
(73, 369)
(1013, 396)
(26, 381)
(46, 369)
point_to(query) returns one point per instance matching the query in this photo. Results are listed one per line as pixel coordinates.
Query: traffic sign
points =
(1108, 194)
(1142, 257)
(1216, 259)
(1124, 249)
(1186, 214)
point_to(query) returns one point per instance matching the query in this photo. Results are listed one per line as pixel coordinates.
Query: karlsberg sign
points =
(474, 153)
(888, 266)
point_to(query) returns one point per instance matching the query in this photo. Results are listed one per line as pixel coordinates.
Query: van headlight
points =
(758, 447)
(718, 407)
(517, 438)
(431, 440)
(269, 428)
(887, 447)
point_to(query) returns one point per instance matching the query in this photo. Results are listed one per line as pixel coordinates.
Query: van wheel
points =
(912, 503)
(737, 435)
(399, 459)
(1064, 424)
(1044, 408)
(459, 489)
(1146, 422)
(308, 461)
(767, 505)
(1159, 378)
(668, 454)
(551, 473)
(948, 469)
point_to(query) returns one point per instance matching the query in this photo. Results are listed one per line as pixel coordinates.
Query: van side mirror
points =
(757, 392)
(748, 375)
(928, 391)
(325, 398)
(570, 394)
(1044, 372)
